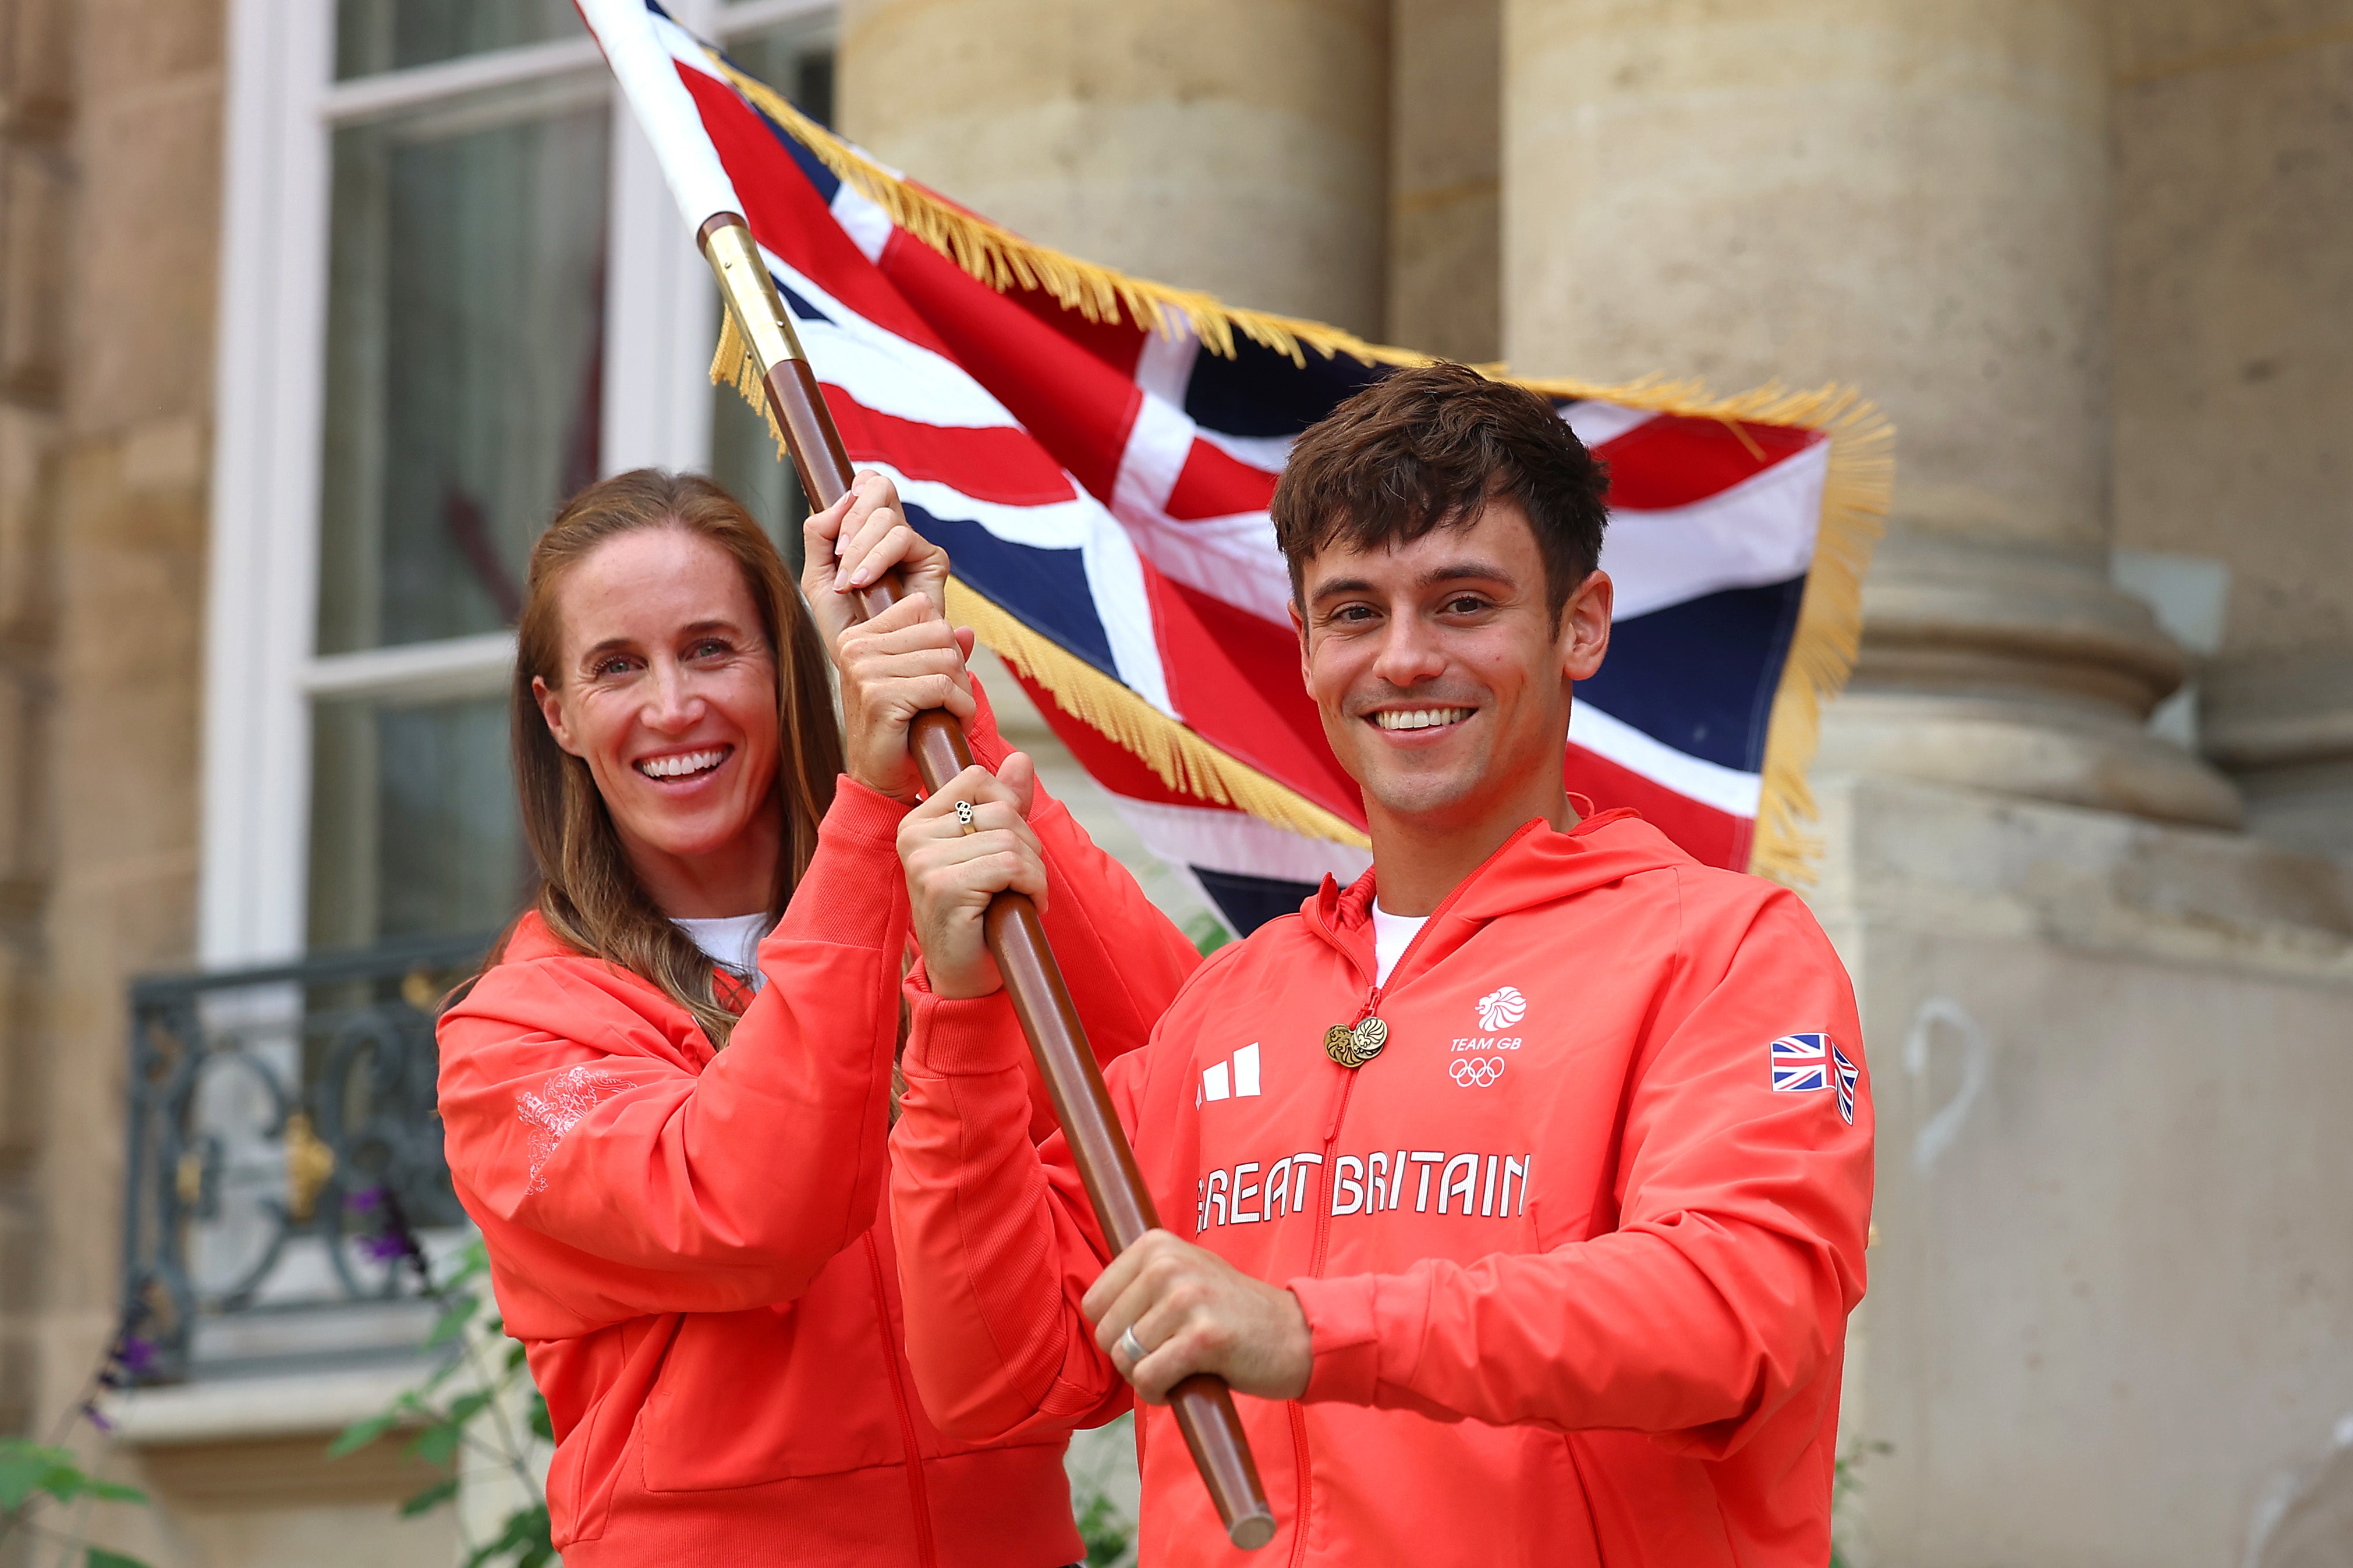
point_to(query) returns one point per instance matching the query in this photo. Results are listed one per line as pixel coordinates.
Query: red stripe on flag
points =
(1710, 836)
(788, 217)
(986, 462)
(1216, 483)
(1078, 407)
(1674, 460)
(1119, 344)
(1235, 679)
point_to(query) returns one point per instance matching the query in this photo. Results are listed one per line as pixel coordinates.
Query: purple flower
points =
(135, 1355)
(364, 1201)
(98, 1419)
(384, 1249)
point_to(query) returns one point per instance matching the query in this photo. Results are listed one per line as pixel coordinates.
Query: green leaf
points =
(471, 1405)
(472, 1263)
(100, 1557)
(26, 1467)
(516, 1355)
(453, 1322)
(541, 1422)
(438, 1443)
(525, 1534)
(113, 1492)
(431, 1498)
(360, 1434)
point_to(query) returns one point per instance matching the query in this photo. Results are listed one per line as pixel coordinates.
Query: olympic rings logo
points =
(1475, 1072)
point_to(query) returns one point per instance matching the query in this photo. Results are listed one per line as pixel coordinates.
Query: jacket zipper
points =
(1315, 1271)
(921, 1500)
(1315, 1261)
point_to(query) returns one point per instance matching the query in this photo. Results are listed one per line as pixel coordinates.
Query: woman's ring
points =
(964, 814)
(1130, 1346)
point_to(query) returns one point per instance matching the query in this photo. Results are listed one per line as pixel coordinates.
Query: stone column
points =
(1445, 283)
(2235, 361)
(1912, 198)
(1233, 145)
(36, 110)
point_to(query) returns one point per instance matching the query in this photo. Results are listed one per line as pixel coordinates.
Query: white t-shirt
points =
(732, 943)
(1391, 935)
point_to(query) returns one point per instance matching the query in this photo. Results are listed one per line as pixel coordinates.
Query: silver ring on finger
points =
(964, 814)
(1130, 1346)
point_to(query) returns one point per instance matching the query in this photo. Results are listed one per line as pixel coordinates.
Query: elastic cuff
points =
(988, 743)
(853, 893)
(862, 815)
(962, 1038)
(1342, 1328)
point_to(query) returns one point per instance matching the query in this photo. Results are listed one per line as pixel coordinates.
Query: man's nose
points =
(1409, 653)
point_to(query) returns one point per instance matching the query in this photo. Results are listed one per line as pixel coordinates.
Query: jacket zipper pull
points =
(1354, 1044)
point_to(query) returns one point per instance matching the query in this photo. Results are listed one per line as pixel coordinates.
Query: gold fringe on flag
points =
(1855, 493)
(1186, 763)
(1860, 480)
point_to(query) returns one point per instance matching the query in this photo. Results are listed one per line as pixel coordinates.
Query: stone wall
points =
(1238, 146)
(2234, 370)
(37, 106)
(110, 205)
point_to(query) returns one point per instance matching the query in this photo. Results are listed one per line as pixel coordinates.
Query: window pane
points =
(390, 35)
(796, 59)
(466, 313)
(414, 829)
(744, 462)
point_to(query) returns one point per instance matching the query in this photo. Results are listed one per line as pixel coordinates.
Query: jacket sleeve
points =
(1723, 1291)
(629, 1184)
(1121, 957)
(996, 1241)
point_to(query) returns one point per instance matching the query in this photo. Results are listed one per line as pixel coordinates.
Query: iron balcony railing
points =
(282, 1133)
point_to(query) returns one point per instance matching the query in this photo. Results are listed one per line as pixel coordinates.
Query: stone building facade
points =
(2093, 257)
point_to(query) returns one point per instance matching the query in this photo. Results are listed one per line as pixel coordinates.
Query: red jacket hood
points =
(1537, 865)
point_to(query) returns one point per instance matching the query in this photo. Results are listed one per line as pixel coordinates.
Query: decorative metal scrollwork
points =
(269, 1109)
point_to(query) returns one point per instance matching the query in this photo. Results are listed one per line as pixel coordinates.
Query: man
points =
(1519, 1190)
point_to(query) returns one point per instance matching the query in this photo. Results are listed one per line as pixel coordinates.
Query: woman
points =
(666, 1098)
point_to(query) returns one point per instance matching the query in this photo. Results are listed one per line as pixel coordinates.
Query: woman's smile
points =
(683, 768)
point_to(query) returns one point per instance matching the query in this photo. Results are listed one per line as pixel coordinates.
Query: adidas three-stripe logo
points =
(1220, 1082)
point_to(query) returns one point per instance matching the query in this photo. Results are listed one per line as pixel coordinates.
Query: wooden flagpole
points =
(1016, 939)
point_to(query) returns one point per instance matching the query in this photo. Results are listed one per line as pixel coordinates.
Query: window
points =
(454, 290)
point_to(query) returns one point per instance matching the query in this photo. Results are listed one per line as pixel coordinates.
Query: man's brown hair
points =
(1427, 447)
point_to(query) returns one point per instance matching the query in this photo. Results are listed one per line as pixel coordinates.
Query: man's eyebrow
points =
(1332, 585)
(1456, 571)
(1449, 571)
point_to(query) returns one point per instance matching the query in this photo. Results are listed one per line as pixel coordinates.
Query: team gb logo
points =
(1502, 1008)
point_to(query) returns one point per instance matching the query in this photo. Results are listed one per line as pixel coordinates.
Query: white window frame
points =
(263, 669)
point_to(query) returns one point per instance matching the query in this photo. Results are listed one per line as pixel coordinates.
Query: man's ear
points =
(551, 708)
(1584, 636)
(1299, 629)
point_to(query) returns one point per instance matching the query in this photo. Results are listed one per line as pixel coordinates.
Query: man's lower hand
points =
(1190, 1311)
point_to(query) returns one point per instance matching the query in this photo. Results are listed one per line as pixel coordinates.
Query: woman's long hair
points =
(589, 895)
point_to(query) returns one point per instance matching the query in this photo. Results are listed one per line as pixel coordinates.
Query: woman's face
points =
(666, 688)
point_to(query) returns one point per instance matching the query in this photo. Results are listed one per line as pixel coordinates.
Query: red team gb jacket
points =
(1577, 1250)
(686, 1241)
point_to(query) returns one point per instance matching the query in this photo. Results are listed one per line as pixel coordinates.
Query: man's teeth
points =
(681, 764)
(1420, 718)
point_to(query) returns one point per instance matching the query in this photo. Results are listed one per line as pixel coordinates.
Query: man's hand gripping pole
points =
(1202, 1404)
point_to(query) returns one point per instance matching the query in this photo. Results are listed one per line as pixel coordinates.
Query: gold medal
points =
(1355, 1048)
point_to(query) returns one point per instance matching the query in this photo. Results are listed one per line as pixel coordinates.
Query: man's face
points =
(1442, 680)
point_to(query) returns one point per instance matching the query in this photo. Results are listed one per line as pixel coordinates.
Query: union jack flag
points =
(1096, 453)
(1805, 1062)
